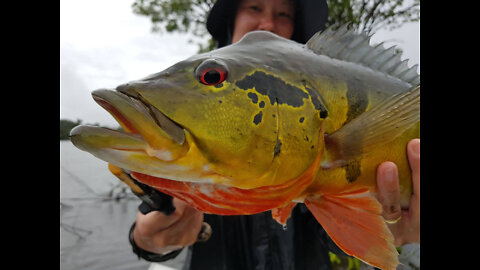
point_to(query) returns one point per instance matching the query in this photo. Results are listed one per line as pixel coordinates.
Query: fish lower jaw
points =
(160, 154)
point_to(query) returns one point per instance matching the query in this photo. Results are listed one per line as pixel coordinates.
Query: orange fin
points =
(353, 220)
(282, 214)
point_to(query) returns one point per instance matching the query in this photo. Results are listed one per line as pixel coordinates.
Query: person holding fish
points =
(244, 234)
(158, 233)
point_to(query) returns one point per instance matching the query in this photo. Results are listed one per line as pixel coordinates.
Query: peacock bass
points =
(266, 123)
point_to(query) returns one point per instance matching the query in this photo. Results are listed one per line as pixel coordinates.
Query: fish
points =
(267, 123)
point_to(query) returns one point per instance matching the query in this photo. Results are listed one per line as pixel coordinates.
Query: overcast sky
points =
(103, 44)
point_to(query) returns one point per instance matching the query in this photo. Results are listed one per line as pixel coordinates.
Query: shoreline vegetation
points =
(67, 125)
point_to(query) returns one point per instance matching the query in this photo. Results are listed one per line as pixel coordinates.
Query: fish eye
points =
(211, 72)
(212, 76)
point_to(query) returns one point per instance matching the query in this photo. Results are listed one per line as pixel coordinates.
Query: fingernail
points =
(389, 173)
(415, 147)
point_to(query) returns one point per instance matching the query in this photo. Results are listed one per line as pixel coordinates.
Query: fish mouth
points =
(146, 128)
(170, 127)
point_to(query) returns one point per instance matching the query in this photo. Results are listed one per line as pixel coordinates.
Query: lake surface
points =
(96, 212)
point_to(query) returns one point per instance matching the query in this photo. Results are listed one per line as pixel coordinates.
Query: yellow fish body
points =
(266, 123)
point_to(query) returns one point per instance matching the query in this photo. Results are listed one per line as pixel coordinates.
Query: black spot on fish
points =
(257, 118)
(273, 115)
(277, 148)
(253, 97)
(352, 170)
(261, 104)
(317, 101)
(357, 100)
(220, 101)
(273, 87)
(323, 114)
(301, 119)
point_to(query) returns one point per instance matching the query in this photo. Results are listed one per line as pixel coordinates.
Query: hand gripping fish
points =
(266, 123)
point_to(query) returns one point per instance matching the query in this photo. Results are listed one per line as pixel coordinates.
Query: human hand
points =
(159, 233)
(407, 229)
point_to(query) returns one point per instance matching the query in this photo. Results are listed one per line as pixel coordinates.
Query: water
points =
(94, 225)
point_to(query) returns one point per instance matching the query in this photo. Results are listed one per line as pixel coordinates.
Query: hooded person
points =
(310, 16)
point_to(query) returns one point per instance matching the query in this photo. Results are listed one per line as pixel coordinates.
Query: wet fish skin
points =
(289, 123)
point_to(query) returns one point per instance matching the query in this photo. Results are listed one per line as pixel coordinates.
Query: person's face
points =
(276, 16)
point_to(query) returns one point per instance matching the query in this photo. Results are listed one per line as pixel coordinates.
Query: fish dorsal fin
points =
(346, 44)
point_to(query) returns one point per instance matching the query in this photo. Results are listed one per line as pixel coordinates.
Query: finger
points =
(413, 152)
(184, 232)
(388, 190)
(155, 221)
(192, 227)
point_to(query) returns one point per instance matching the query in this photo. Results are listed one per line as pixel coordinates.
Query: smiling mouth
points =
(135, 114)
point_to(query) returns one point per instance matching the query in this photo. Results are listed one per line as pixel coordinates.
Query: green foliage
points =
(344, 262)
(191, 15)
(372, 15)
(178, 16)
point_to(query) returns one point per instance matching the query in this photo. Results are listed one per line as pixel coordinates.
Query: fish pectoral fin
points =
(373, 129)
(353, 221)
(282, 214)
(120, 174)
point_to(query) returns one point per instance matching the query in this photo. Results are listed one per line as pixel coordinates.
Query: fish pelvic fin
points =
(282, 214)
(373, 129)
(353, 221)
